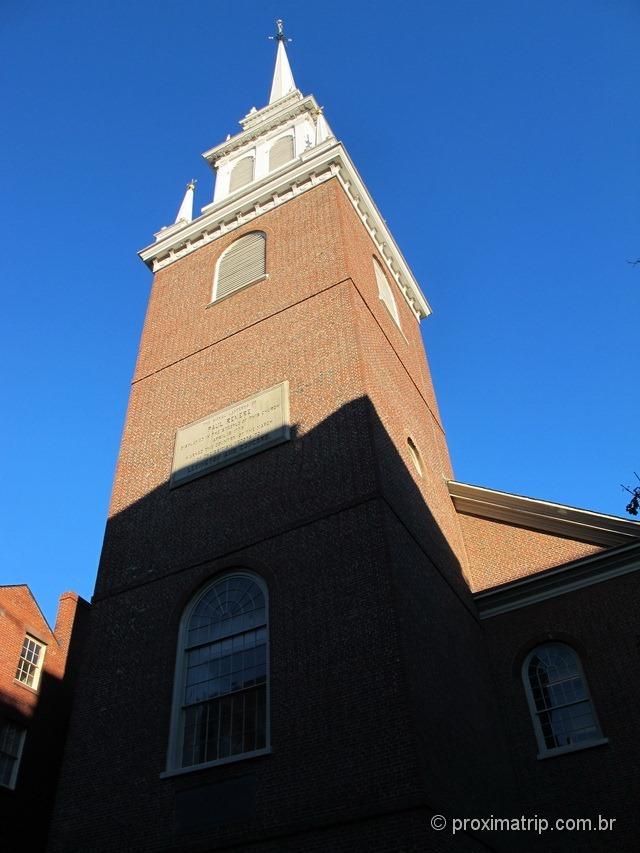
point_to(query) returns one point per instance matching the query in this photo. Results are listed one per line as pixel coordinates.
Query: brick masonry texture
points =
(332, 639)
(386, 704)
(308, 515)
(43, 712)
(602, 623)
(500, 552)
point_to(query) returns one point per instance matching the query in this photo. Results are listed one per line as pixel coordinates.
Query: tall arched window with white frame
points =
(564, 718)
(220, 710)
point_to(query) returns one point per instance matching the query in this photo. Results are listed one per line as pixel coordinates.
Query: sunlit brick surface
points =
(500, 552)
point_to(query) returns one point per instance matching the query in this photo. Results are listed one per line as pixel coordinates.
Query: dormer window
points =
(241, 174)
(281, 152)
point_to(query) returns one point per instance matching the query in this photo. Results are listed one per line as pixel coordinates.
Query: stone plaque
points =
(234, 433)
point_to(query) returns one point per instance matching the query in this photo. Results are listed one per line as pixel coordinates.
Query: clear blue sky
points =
(500, 140)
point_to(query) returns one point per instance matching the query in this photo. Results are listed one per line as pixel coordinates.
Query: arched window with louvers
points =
(220, 710)
(241, 264)
(385, 293)
(562, 711)
(281, 152)
(241, 174)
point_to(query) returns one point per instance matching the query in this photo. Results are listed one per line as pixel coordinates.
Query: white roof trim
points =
(579, 574)
(318, 164)
(547, 517)
(257, 124)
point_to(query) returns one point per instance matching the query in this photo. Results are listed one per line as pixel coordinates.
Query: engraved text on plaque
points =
(240, 430)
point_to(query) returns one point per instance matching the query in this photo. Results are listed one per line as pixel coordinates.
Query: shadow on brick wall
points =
(381, 703)
(25, 812)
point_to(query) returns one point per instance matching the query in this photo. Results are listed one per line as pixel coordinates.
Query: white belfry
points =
(283, 81)
(185, 214)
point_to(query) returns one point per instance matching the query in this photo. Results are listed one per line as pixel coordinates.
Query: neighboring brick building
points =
(37, 673)
(305, 635)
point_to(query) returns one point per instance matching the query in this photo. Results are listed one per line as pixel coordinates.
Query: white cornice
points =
(257, 124)
(594, 569)
(547, 517)
(315, 166)
(258, 116)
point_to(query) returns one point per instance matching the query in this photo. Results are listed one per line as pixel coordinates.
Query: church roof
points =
(545, 516)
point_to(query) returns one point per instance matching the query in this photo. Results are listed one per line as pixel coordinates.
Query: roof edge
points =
(35, 601)
(545, 516)
(326, 161)
(560, 580)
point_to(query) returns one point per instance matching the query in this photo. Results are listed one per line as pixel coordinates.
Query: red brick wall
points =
(20, 615)
(500, 552)
(305, 255)
(43, 712)
(602, 623)
(309, 515)
(385, 703)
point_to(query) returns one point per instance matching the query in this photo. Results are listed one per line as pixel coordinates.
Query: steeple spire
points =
(283, 81)
(185, 214)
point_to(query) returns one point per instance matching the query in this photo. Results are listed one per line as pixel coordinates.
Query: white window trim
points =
(174, 753)
(290, 133)
(249, 156)
(265, 275)
(395, 313)
(16, 767)
(38, 673)
(543, 750)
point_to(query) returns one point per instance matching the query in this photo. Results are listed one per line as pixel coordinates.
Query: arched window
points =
(281, 152)
(242, 263)
(563, 715)
(241, 174)
(220, 704)
(385, 293)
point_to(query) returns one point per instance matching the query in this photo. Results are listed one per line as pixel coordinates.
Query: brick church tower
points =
(284, 652)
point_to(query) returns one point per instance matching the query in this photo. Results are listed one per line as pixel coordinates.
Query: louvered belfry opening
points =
(241, 264)
(281, 152)
(241, 174)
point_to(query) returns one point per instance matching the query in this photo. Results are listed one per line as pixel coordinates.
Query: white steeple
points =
(185, 214)
(283, 81)
(284, 149)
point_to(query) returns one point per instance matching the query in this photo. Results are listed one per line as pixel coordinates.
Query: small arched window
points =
(242, 263)
(385, 293)
(220, 703)
(563, 715)
(281, 152)
(241, 174)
